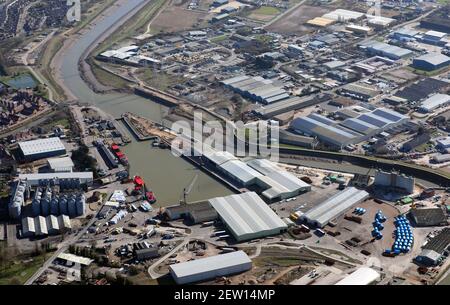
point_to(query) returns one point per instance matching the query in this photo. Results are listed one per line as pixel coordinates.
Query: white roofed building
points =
(210, 267)
(321, 214)
(42, 148)
(362, 276)
(280, 183)
(247, 216)
(60, 165)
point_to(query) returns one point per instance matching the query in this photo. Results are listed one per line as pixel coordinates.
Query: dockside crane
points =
(187, 190)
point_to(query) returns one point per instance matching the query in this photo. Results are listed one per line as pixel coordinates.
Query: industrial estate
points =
(358, 93)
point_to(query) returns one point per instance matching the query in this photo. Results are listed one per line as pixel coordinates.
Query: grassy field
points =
(106, 78)
(266, 10)
(134, 26)
(219, 38)
(161, 81)
(17, 273)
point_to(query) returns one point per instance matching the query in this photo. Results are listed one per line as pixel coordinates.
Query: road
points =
(283, 14)
(37, 75)
(62, 247)
(153, 274)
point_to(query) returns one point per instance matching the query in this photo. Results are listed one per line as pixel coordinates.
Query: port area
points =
(145, 130)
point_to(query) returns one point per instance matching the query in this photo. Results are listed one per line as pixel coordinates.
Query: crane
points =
(188, 189)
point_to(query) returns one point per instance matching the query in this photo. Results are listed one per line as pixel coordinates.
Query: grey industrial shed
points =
(210, 267)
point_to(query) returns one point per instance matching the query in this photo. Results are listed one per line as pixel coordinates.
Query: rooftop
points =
(246, 214)
(40, 146)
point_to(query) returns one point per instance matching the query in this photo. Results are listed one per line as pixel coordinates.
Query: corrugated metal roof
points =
(434, 58)
(335, 206)
(58, 163)
(207, 264)
(246, 214)
(41, 146)
(44, 176)
(435, 101)
(289, 182)
(240, 170)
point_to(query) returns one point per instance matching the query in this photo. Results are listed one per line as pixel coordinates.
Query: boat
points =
(140, 188)
(150, 196)
(120, 155)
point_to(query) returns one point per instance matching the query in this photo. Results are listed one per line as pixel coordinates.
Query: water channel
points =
(165, 174)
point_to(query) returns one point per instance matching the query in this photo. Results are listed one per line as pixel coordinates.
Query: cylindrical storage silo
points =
(71, 205)
(54, 205)
(63, 205)
(81, 205)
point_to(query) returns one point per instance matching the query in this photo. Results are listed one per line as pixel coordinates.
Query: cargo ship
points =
(120, 155)
(141, 188)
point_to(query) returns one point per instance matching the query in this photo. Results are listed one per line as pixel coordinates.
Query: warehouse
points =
(74, 179)
(379, 21)
(443, 143)
(43, 226)
(280, 184)
(386, 50)
(256, 88)
(41, 148)
(434, 38)
(289, 104)
(193, 213)
(359, 91)
(210, 267)
(342, 15)
(290, 138)
(362, 276)
(325, 132)
(240, 172)
(350, 131)
(431, 62)
(247, 216)
(435, 248)
(428, 217)
(359, 29)
(60, 165)
(434, 102)
(321, 214)
(321, 22)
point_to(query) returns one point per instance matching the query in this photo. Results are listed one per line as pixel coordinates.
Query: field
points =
(264, 13)
(18, 272)
(294, 22)
(175, 19)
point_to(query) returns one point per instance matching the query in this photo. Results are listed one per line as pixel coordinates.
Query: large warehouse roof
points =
(46, 176)
(434, 58)
(286, 181)
(247, 216)
(40, 146)
(362, 276)
(210, 267)
(335, 206)
(434, 102)
(387, 49)
(343, 15)
(240, 171)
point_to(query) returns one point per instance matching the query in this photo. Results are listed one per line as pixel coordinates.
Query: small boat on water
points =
(140, 188)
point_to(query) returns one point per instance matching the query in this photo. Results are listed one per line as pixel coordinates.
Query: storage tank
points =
(36, 203)
(45, 203)
(81, 205)
(63, 210)
(54, 205)
(71, 206)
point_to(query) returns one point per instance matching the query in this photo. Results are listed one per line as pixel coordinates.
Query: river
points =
(165, 174)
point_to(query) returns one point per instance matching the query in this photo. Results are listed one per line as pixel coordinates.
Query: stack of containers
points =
(378, 226)
(403, 235)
